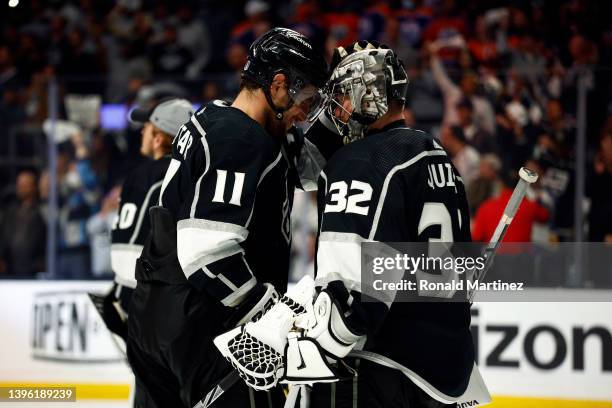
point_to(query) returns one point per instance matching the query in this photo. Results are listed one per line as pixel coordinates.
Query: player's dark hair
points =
(248, 84)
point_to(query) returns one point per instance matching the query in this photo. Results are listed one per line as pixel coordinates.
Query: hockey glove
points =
(326, 338)
(258, 302)
(111, 312)
(257, 349)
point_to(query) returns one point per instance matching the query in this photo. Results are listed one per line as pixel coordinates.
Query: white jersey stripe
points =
(263, 174)
(196, 194)
(170, 172)
(383, 194)
(143, 210)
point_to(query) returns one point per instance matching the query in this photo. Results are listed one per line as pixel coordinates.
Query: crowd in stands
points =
(495, 81)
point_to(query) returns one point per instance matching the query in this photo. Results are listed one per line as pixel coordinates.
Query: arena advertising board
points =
(548, 353)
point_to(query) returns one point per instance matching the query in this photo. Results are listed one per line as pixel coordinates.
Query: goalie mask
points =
(361, 87)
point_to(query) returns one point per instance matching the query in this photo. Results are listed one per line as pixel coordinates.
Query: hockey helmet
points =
(369, 78)
(285, 51)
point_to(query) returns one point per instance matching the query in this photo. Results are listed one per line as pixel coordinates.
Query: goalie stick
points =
(526, 178)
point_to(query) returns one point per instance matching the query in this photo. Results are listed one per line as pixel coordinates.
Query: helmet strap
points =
(278, 112)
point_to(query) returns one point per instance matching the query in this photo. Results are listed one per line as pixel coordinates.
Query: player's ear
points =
(278, 82)
(158, 138)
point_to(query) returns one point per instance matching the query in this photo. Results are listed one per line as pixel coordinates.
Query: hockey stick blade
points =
(527, 177)
(225, 384)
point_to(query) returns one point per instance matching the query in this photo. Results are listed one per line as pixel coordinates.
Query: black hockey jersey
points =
(230, 188)
(140, 191)
(381, 189)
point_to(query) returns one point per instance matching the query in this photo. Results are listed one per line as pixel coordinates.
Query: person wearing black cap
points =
(219, 249)
(139, 192)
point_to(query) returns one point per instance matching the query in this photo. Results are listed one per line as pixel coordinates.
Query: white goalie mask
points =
(360, 89)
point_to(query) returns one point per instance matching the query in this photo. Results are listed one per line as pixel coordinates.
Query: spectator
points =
(23, 232)
(560, 127)
(527, 58)
(99, 229)
(486, 185)
(465, 158)
(445, 23)
(484, 117)
(483, 47)
(170, 59)
(78, 200)
(401, 44)
(511, 138)
(256, 23)
(490, 212)
(80, 60)
(482, 140)
(374, 21)
(194, 36)
(600, 217)
(307, 20)
(341, 23)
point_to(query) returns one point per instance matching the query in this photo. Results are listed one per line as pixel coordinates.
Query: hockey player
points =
(221, 236)
(376, 189)
(139, 192)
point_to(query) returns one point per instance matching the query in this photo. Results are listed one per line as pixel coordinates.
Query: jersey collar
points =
(393, 125)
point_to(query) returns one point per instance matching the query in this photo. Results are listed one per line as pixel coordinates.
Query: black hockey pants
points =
(171, 330)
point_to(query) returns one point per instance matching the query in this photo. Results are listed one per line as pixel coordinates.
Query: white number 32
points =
(340, 202)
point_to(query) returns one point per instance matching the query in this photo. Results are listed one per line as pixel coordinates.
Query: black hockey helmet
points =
(285, 51)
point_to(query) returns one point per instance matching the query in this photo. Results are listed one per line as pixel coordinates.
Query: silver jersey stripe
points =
(204, 261)
(215, 239)
(263, 174)
(196, 193)
(170, 173)
(324, 177)
(238, 295)
(143, 210)
(383, 194)
(211, 225)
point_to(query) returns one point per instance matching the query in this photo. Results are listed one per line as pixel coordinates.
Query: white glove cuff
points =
(331, 330)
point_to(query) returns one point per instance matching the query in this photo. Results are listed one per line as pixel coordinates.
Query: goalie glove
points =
(257, 349)
(326, 339)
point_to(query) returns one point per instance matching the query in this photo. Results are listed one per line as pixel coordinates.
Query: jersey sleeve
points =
(131, 226)
(348, 200)
(214, 217)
